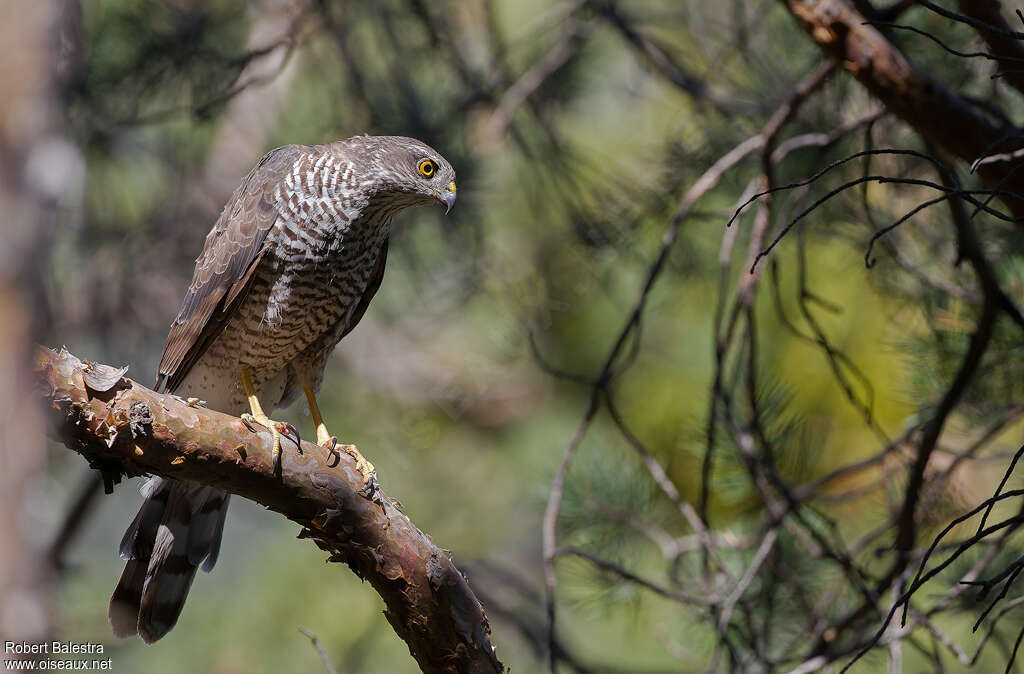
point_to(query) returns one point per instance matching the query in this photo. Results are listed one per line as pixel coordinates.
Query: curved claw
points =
(329, 444)
(275, 432)
(245, 420)
(292, 434)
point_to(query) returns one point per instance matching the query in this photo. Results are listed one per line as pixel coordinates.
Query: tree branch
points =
(121, 427)
(1000, 38)
(942, 117)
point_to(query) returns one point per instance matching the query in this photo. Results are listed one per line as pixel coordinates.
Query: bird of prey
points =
(287, 271)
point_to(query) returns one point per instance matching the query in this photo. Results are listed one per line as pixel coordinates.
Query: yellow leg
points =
(325, 439)
(258, 416)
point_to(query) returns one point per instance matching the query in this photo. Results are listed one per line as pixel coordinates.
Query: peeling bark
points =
(123, 428)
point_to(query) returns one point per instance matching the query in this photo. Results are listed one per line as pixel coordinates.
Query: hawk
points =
(287, 271)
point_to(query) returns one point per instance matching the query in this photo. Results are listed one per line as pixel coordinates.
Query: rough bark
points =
(121, 427)
(941, 116)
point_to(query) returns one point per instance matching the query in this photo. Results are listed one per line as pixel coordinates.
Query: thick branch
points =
(122, 427)
(941, 116)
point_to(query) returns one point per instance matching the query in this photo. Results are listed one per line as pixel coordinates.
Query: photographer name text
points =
(52, 648)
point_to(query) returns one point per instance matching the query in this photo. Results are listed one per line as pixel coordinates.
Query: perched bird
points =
(287, 271)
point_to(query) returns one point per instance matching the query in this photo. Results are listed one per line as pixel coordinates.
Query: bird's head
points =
(408, 170)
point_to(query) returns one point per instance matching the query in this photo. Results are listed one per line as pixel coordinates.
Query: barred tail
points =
(178, 528)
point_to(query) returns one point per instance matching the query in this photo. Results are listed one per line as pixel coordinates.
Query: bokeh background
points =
(575, 129)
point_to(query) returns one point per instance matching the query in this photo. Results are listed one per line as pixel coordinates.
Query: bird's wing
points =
(224, 270)
(371, 290)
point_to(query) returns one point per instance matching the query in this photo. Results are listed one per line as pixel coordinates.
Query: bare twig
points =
(320, 650)
(941, 116)
(569, 43)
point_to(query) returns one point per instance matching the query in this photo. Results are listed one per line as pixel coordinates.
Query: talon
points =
(365, 467)
(259, 417)
(329, 442)
(270, 425)
(292, 434)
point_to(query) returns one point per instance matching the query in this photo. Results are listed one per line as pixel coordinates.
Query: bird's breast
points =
(304, 292)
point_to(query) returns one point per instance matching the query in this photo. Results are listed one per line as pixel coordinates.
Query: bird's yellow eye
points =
(427, 168)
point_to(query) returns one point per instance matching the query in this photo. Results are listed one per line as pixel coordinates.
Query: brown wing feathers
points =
(179, 525)
(224, 270)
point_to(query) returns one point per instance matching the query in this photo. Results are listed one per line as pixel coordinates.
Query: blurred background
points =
(576, 128)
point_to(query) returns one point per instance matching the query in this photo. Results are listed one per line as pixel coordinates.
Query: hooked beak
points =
(447, 197)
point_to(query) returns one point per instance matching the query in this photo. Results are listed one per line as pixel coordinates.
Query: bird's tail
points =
(177, 529)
